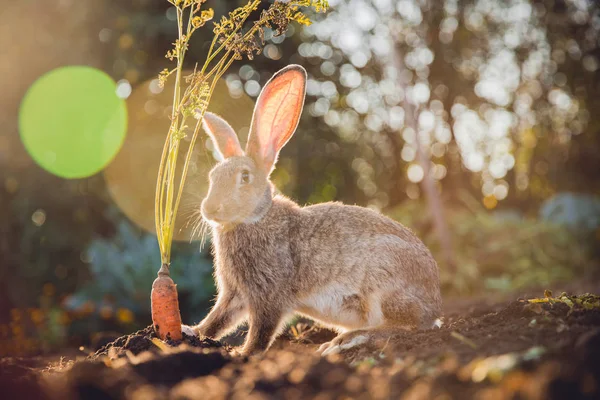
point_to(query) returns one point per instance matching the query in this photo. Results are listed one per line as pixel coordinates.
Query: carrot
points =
(166, 318)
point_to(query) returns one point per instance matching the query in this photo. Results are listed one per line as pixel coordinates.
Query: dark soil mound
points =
(544, 350)
(20, 377)
(100, 380)
(141, 341)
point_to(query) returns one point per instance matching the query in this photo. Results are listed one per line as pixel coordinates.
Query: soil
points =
(486, 349)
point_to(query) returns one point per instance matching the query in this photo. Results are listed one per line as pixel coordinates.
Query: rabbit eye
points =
(245, 177)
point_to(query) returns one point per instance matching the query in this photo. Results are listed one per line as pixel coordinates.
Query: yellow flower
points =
(203, 18)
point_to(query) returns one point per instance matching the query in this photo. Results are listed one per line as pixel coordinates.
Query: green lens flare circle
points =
(72, 122)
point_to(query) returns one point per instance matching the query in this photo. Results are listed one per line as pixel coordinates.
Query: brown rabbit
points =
(349, 268)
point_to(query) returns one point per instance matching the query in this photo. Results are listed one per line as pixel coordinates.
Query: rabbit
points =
(346, 267)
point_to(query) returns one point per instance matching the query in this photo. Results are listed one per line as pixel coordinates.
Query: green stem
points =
(166, 175)
(197, 129)
(168, 194)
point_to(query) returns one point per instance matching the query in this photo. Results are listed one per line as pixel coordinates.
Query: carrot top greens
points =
(232, 41)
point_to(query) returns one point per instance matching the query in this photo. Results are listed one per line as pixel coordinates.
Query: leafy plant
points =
(229, 43)
(500, 251)
(578, 211)
(123, 268)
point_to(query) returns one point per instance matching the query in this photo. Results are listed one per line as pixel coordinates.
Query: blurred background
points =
(475, 123)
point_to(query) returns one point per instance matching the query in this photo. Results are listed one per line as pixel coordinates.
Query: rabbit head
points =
(240, 190)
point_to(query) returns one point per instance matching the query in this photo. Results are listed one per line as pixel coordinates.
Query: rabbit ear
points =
(222, 135)
(276, 115)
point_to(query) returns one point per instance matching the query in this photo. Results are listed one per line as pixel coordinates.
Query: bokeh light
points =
(483, 105)
(72, 122)
(131, 177)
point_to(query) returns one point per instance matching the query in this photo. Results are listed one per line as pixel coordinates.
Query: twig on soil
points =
(160, 344)
(463, 339)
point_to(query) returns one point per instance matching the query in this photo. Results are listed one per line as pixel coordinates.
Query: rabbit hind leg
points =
(400, 314)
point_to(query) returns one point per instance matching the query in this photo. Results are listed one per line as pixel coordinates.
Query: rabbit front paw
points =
(189, 331)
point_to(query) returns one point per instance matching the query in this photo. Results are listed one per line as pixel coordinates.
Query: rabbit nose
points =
(211, 209)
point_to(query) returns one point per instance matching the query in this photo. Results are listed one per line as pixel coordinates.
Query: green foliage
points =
(124, 267)
(500, 251)
(578, 211)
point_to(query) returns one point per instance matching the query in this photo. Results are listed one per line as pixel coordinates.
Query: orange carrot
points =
(165, 306)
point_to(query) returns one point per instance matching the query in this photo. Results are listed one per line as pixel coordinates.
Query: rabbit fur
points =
(347, 267)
